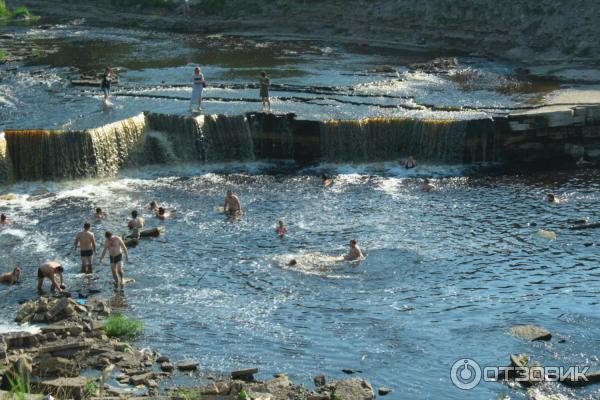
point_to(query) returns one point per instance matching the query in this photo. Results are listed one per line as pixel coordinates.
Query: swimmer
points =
(100, 214)
(427, 186)
(292, 263)
(4, 220)
(327, 181)
(49, 270)
(152, 206)
(410, 163)
(281, 229)
(232, 204)
(355, 253)
(162, 213)
(582, 162)
(87, 245)
(551, 198)
(11, 278)
(114, 245)
(135, 225)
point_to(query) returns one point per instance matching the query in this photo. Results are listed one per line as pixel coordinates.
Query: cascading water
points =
(391, 138)
(226, 138)
(180, 135)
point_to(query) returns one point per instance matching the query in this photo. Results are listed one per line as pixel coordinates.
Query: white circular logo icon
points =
(465, 374)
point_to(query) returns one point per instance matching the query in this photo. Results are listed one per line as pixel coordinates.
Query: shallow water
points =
(446, 273)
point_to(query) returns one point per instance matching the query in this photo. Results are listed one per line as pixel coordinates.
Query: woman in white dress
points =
(198, 83)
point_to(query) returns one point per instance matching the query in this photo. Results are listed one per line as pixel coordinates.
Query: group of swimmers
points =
(115, 246)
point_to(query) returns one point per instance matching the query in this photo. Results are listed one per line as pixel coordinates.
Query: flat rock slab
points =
(354, 389)
(18, 340)
(592, 378)
(187, 366)
(383, 391)
(62, 346)
(244, 374)
(530, 332)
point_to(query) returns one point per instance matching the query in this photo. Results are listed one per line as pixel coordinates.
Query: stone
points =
(151, 383)
(163, 359)
(57, 366)
(244, 374)
(51, 337)
(76, 330)
(58, 308)
(348, 371)
(223, 387)
(141, 379)
(19, 340)
(530, 332)
(64, 346)
(58, 329)
(591, 378)
(319, 380)
(187, 366)
(208, 390)
(166, 367)
(383, 391)
(64, 387)
(354, 389)
(26, 312)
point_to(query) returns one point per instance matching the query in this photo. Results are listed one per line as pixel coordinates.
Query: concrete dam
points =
(557, 136)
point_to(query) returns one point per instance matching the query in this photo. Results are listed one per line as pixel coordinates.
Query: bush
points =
(21, 12)
(4, 11)
(120, 326)
(2, 55)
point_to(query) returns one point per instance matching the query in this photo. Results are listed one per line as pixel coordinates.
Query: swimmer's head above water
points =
(292, 263)
(551, 197)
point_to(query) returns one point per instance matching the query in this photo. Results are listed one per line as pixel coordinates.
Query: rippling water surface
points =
(446, 274)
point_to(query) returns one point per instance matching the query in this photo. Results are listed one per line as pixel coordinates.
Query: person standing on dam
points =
(265, 83)
(105, 84)
(198, 85)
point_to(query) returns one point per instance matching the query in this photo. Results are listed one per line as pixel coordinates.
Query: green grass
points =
(4, 11)
(19, 387)
(2, 55)
(21, 12)
(120, 326)
(91, 387)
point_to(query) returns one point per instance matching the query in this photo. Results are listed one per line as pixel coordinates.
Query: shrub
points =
(4, 11)
(21, 12)
(91, 387)
(120, 326)
(19, 386)
(2, 55)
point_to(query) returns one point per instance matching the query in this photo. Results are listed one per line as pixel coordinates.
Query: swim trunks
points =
(116, 259)
(87, 253)
(40, 273)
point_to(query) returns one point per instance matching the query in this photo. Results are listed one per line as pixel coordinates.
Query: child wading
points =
(265, 82)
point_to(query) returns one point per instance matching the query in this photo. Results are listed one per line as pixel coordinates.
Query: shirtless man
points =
(11, 278)
(49, 270)
(327, 181)
(355, 253)
(100, 214)
(87, 244)
(410, 163)
(4, 220)
(152, 206)
(135, 225)
(232, 204)
(114, 245)
(162, 213)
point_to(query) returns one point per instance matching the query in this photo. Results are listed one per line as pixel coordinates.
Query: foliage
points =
(4, 11)
(91, 387)
(21, 12)
(187, 394)
(2, 55)
(19, 386)
(243, 395)
(120, 326)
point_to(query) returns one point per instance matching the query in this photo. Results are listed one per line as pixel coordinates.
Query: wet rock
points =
(26, 312)
(319, 380)
(57, 366)
(354, 389)
(61, 307)
(65, 387)
(187, 366)
(530, 332)
(591, 378)
(76, 330)
(163, 359)
(142, 379)
(348, 371)
(166, 367)
(383, 391)
(244, 374)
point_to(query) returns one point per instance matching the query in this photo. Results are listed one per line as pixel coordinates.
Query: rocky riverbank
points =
(546, 32)
(72, 357)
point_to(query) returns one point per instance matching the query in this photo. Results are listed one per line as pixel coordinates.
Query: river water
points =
(446, 275)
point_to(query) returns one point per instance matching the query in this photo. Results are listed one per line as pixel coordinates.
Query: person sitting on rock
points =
(135, 225)
(355, 253)
(4, 220)
(410, 163)
(49, 270)
(10, 278)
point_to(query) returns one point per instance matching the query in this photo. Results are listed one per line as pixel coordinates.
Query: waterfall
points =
(182, 133)
(381, 139)
(273, 135)
(226, 138)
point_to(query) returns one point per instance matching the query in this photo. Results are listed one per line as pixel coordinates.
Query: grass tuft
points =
(120, 326)
(4, 11)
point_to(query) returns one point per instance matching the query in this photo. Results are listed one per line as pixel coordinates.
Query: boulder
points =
(142, 379)
(57, 366)
(26, 312)
(19, 340)
(320, 380)
(162, 359)
(64, 387)
(354, 389)
(166, 367)
(244, 374)
(530, 332)
(383, 391)
(187, 366)
(591, 378)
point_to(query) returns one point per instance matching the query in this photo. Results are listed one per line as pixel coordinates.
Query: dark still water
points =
(447, 273)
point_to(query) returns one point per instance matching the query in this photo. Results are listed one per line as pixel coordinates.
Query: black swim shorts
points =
(116, 259)
(87, 253)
